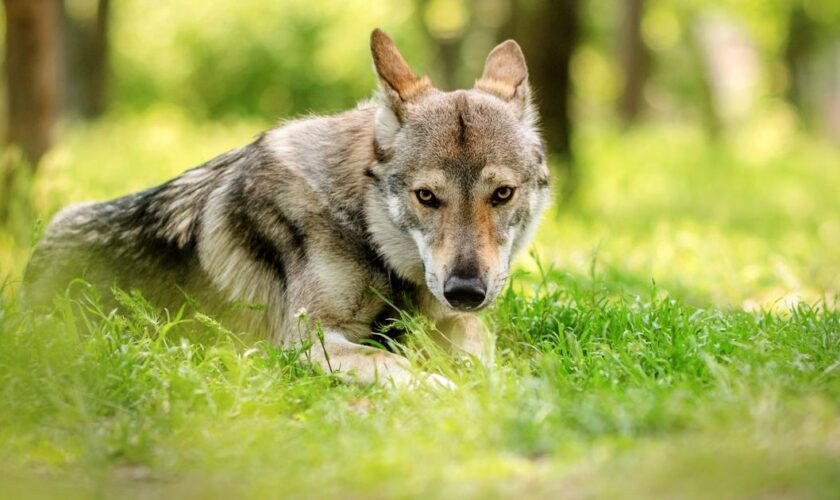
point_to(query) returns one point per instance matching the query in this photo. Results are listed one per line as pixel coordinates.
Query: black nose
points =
(464, 293)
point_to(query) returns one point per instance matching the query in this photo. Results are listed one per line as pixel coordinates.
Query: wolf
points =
(421, 195)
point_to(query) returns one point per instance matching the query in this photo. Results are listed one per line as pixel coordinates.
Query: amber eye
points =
(427, 198)
(502, 195)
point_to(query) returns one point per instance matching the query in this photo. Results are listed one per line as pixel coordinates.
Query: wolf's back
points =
(146, 240)
(91, 242)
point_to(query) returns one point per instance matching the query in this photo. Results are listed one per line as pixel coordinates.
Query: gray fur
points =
(314, 214)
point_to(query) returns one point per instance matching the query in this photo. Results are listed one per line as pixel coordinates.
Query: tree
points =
(447, 40)
(33, 32)
(633, 58)
(709, 114)
(801, 42)
(86, 60)
(548, 33)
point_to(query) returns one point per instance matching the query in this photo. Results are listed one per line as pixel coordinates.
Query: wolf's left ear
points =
(399, 85)
(506, 76)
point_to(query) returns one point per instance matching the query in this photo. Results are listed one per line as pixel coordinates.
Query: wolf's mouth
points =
(469, 309)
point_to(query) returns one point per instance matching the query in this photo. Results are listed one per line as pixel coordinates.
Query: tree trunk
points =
(32, 70)
(449, 57)
(710, 117)
(634, 59)
(548, 33)
(448, 51)
(86, 62)
(800, 44)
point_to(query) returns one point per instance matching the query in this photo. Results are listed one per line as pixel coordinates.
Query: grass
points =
(674, 333)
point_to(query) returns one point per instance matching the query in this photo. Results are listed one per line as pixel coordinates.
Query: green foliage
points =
(245, 58)
(674, 332)
(113, 401)
(721, 379)
(607, 385)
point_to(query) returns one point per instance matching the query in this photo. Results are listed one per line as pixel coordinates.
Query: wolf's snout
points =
(464, 292)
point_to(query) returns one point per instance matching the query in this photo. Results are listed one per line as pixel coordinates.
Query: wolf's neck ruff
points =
(419, 194)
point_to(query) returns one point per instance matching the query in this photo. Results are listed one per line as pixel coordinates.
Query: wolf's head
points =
(460, 177)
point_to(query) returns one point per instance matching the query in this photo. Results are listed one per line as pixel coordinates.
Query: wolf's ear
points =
(506, 76)
(394, 73)
(399, 85)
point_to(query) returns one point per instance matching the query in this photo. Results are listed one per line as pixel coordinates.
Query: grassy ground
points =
(675, 333)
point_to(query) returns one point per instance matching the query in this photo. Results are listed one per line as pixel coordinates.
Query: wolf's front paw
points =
(423, 379)
(468, 360)
(437, 381)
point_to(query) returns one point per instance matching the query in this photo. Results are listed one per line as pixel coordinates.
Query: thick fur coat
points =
(422, 195)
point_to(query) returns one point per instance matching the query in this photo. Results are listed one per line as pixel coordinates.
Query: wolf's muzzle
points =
(464, 293)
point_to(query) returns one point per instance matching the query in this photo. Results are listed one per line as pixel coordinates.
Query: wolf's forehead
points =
(464, 116)
(460, 131)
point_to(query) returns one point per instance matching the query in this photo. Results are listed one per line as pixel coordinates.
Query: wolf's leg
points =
(466, 334)
(368, 365)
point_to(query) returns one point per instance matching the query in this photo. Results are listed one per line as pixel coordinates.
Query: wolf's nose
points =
(464, 293)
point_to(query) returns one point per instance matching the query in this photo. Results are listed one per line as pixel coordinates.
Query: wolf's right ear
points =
(399, 86)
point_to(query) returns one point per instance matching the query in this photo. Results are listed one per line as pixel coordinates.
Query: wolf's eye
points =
(502, 195)
(427, 198)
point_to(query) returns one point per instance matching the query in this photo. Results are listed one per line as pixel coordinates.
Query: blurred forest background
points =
(674, 332)
(100, 93)
(725, 65)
